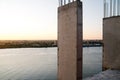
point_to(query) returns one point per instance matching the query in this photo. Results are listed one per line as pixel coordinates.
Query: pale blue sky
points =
(37, 19)
(92, 18)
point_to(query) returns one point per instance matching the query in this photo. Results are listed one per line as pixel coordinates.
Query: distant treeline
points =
(27, 43)
(92, 43)
(42, 43)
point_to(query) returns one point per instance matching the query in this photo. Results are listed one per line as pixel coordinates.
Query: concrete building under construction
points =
(70, 41)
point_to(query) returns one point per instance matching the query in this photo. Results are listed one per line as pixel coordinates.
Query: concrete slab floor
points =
(106, 75)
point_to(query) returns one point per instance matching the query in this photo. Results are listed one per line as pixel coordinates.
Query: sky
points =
(37, 19)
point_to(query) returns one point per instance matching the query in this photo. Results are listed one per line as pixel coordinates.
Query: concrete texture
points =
(111, 39)
(106, 75)
(70, 41)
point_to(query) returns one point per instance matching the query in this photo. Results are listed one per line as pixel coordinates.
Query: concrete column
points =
(70, 41)
(111, 39)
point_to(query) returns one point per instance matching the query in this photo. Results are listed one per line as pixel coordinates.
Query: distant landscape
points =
(42, 43)
(27, 43)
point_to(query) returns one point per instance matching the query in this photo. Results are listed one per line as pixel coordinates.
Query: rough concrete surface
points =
(111, 40)
(106, 75)
(70, 41)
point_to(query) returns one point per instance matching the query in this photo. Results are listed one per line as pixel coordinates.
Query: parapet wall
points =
(111, 40)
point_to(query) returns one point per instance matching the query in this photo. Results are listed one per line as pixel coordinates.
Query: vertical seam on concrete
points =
(77, 42)
(79, 75)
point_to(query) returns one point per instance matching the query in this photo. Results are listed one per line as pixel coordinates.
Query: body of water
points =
(41, 63)
(92, 61)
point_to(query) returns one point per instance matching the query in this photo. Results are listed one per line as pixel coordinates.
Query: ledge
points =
(106, 75)
(111, 17)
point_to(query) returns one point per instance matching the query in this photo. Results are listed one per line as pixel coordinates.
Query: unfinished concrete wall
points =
(70, 41)
(111, 39)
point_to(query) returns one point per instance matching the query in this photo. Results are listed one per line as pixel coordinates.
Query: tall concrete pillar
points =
(111, 39)
(70, 41)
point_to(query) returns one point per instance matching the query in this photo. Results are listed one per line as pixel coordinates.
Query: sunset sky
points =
(37, 19)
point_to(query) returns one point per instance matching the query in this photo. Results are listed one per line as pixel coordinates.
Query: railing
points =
(64, 2)
(111, 8)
